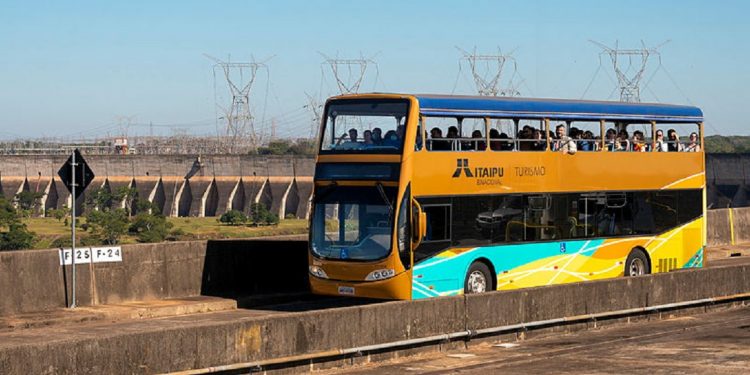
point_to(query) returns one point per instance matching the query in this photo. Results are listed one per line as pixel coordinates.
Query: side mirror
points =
(419, 224)
(422, 225)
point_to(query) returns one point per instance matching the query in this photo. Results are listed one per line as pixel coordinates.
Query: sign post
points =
(76, 175)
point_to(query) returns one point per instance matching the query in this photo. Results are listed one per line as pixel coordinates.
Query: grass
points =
(48, 230)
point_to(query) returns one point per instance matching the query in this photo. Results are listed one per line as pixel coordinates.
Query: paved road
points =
(712, 343)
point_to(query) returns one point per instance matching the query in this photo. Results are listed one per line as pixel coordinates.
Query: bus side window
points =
(438, 235)
(586, 134)
(438, 222)
(472, 135)
(467, 210)
(437, 131)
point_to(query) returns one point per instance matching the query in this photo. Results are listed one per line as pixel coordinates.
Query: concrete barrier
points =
(741, 224)
(33, 281)
(182, 343)
(718, 228)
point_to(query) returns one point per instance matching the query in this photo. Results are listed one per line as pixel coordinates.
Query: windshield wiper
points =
(385, 197)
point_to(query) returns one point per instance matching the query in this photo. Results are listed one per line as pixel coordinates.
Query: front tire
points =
(478, 279)
(637, 264)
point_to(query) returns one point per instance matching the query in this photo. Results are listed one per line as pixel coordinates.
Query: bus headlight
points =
(318, 272)
(380, 275)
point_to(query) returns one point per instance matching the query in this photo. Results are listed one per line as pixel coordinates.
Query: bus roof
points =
(480, 106)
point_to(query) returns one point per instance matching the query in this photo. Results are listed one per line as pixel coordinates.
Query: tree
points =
(13, 234)
(233, 217)
(260, 215)
(303, 147)
(8, 214)
(288, 147)
(150, 227)
(99, 199)
(28, 201)
(128, 196)
(107, 226)
(17, 237)
(143, 205)
(60, 213)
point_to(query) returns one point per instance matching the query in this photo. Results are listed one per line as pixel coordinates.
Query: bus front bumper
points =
(397, 287)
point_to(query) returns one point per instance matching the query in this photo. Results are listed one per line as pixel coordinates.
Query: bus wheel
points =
(637, 264)
(478, 279)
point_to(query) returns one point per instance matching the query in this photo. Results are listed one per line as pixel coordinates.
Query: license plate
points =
(347, 290)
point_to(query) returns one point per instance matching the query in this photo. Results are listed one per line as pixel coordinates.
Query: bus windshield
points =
(353, 222)
(364, 126)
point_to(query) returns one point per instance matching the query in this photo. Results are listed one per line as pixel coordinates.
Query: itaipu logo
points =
(483, 175)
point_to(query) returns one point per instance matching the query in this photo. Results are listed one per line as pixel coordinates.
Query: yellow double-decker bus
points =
(423, 195)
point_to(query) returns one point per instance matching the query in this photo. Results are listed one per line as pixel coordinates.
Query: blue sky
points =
(72, 69)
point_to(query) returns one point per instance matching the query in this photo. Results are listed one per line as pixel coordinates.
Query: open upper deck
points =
(380, 123)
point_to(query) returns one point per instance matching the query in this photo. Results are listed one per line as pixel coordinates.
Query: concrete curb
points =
(223, 338)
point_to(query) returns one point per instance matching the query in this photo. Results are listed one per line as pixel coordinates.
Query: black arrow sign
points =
(83, 174)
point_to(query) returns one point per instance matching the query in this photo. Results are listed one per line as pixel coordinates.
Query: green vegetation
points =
(233, 217)
(288, 147)
(50, 233)
(13, 233)
(727, 144)
(106, 227)
(260, 215)
(150, 227)
(28, 202)
(105, 223)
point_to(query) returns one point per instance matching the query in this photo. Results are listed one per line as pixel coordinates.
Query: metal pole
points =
(73, 226)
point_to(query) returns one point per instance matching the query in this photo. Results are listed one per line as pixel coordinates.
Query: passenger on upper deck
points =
(478, 141)
(452, 134)
(693, 146)
(351, 143)
(437, 143)
(612, 143)
(377, 136)
(660, 145)
(623, 140)
(674, 143)
(587, 143)
(638, 144)
(368, 138)
(563, 143)
(494, 143)
(391, 139)
(539, 144)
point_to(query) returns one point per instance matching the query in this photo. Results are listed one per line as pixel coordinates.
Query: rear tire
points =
(478, 279)
(637, 264)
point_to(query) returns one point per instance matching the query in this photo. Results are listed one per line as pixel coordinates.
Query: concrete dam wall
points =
(179, 185)
(185, 185)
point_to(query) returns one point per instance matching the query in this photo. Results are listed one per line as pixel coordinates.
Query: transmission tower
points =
(487, 71)
(348, 73)
(240, 124)
(629, 66)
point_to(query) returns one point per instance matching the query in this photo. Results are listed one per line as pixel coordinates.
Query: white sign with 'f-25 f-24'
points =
(86, 255)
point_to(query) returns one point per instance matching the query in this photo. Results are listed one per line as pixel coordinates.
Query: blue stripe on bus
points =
(436, 271)
(695, 261)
